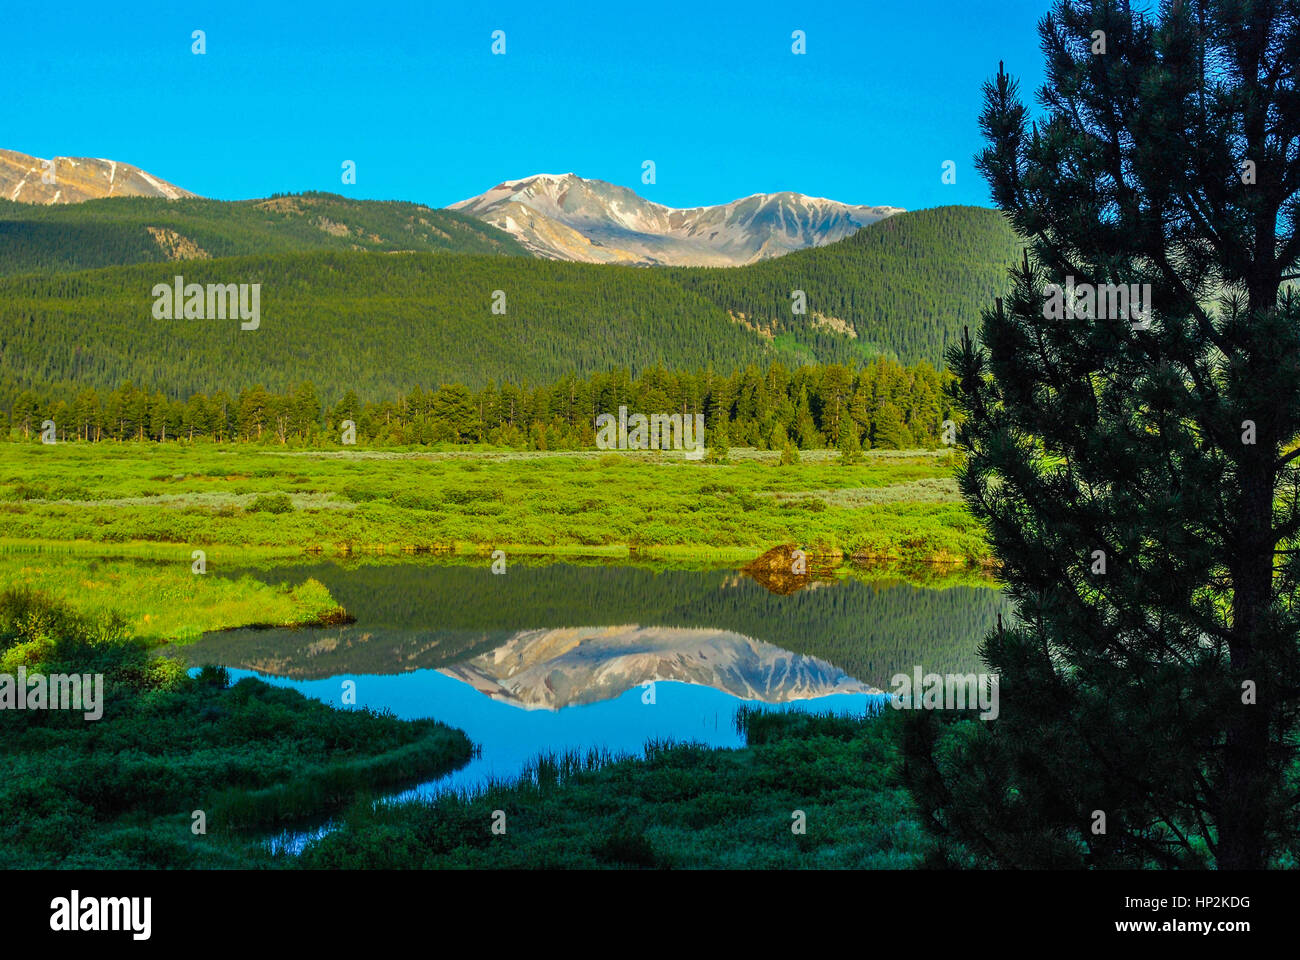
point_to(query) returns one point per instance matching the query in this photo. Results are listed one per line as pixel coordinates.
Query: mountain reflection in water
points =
(566, 666)
(561, 657)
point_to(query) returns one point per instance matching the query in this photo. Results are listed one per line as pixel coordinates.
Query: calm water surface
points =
(559, 657)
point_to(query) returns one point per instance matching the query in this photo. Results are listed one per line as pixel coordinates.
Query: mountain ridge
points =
(550, 216)
(66, 180)
(567, 217)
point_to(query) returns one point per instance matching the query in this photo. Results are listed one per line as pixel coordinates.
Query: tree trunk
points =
(1242, 843)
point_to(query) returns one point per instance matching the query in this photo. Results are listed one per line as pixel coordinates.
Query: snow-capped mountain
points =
(74, 179)
(551, 669)
(566, 217)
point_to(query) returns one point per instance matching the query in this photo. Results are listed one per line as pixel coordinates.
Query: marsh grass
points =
(678, 805)
(898, 505)
(333, 786)
(164, 601)
(169, 744)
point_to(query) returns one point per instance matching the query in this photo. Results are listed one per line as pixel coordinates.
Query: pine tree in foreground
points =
(1133, 461)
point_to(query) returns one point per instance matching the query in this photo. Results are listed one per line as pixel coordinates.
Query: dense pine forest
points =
(903, 286)
(377, 312)
(881, 404)
(378, 323)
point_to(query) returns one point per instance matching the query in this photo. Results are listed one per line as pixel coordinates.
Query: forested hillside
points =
(904, 285)
(383, 323)
(379, 324)
(126, 230)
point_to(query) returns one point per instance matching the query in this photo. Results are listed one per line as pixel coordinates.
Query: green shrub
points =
(271, 503)
(69, 491)
(360, 493)
(416, 501)
(626, 846)
(28, 491)
(472, 494)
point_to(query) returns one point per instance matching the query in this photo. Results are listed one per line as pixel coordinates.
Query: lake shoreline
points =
(241, 552)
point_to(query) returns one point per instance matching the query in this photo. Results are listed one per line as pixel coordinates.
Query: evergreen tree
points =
(305, 410)
(850, 446)
(888, 429)
(454, 406)
(27, 413)
(254, 412)
(1133, 473)
(719, 443)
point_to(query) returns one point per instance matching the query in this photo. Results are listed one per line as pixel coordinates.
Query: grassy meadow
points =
(230, 500)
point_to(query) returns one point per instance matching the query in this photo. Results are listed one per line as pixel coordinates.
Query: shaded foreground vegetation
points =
(122, 791)
(681, 806)
(1157, 686)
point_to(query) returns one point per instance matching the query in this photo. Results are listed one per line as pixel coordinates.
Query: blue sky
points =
(411, 92)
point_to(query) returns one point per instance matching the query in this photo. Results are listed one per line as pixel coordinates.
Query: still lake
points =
(573, 657)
